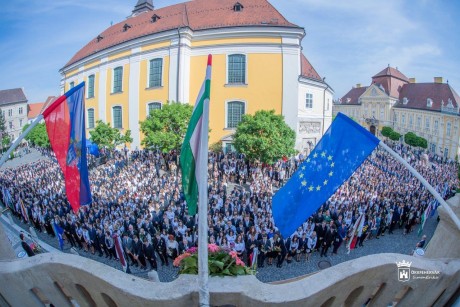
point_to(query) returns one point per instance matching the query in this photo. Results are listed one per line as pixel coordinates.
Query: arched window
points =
(117, 116)
(235, 112)
(236, 69)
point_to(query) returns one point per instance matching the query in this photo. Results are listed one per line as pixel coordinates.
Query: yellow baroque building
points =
(159, 55)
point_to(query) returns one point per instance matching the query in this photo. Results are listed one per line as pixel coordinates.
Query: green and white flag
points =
(194, 152)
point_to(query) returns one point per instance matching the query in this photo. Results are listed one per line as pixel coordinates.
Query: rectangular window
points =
(10, 112)
(10, 124)
(237, 69)
(91, 86)
(419, 122)
(20, 110)
(20, 122)
(403, 120)
(436, 125)
(446, 153)
(433, 147)
(153, 106)
(156, 70)
(235, 112)
(448, 128)
(382, 114)
(396, 117)
(427, 124)
(117, 79)
(90, 118)
(71, 84)
(410, 121)
(117, 117)
(309, 101)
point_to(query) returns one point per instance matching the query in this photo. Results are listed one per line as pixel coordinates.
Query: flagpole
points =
(425, 183)
(203, 270)
(19, 139)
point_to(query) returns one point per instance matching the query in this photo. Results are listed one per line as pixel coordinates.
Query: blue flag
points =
(59, 231)
(341, 150)
(92, 148)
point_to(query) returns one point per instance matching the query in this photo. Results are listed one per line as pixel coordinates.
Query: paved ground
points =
(395, 243)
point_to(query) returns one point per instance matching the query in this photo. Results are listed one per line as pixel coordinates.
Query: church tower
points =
(142, 6)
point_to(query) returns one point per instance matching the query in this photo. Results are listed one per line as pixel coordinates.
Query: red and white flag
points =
(120, 253)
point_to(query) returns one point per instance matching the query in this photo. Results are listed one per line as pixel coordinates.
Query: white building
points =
(13, 105)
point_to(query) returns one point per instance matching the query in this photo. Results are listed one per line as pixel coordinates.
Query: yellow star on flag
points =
(301, 175)
(310, 188)
(315, 155)
(304, 183)
(323, 154)
(329, 158)
(332, 164)
(331, 173)
(325, 182)
(318, 188)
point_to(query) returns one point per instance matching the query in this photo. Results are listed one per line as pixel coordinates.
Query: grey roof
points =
(13, 95)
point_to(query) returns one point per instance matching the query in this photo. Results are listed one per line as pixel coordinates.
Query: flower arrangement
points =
(221, 262)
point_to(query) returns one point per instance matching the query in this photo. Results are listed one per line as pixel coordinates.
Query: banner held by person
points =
(341, 150)
(65, 124)
(59, 231)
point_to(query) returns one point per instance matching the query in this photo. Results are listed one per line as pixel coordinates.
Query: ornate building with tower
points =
(159, 55)
(429, 109)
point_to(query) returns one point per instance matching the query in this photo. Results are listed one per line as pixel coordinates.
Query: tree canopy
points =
(413, 140)
(165, 128)
(264, 136)
(38, 136)
(5, 138)
(105, 136)
(386, 131)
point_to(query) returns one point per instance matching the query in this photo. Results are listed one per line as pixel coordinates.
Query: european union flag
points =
(341, 150)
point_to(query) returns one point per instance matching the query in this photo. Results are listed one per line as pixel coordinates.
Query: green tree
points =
(386, 131)
(105, 136)
(38, 136)
(394, 136)
(165, 128)
(422, 142)
(264, 136)
(5, 138)
(410, 138)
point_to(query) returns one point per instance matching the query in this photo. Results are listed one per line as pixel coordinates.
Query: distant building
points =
(34, 109)
(430, 110)
(159, 55)
(13, 105)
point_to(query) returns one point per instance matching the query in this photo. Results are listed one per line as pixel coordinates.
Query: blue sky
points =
(347, 41)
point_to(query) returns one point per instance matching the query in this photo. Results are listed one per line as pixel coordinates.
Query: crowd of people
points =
(138, 197)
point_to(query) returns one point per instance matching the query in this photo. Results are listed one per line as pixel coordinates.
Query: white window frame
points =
(436, 125)
(20, 110)
(10, 112)
(226, 110)
(113, 79)
(245, 69)
(162, 72)
(448, 128)
(87, 119)
(403, 120)
(427, 123)
(94, 87)
(152, 102)
(307, 99)
(113, 116)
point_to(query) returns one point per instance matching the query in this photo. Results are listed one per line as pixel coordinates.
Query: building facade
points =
(159, 55)
(13, 105)
(430, 110)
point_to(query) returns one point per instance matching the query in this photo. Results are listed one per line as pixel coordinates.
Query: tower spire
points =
(143, 6)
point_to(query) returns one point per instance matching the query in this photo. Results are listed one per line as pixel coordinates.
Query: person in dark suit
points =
(127, 243)
(329, 237)
(280, 249)
(149, 253)
(138, 253)
(183, 246)
(26, 246)
(264, 247)
(321, 230)
(159, 244)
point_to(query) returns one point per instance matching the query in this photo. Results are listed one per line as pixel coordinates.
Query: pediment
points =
(374, 91)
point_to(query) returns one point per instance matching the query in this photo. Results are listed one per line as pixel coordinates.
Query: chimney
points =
(437, 79)
(358, 85)
(412, 80)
